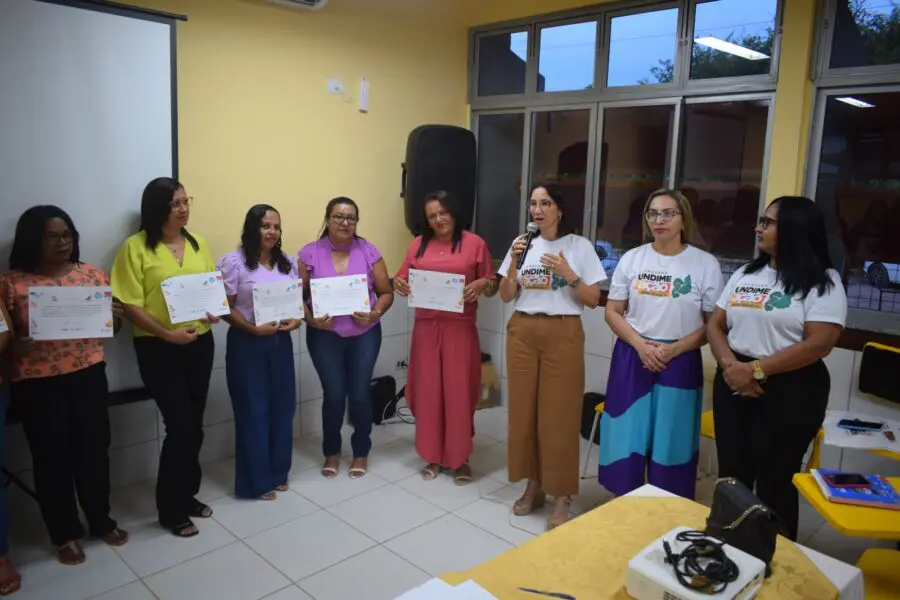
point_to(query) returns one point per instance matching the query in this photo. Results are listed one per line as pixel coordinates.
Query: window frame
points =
(823, 74)
(538, 34)
(474, 56)
(857, 318)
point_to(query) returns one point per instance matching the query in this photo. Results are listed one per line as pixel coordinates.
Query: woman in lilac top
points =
(259, 360)
(344, 349)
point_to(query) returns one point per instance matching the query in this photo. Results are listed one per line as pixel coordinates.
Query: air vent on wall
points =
(305, 4)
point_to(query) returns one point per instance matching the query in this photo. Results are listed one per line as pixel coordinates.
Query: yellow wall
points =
(256, 124)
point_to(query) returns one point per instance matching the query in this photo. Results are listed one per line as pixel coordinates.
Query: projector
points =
(650, 577)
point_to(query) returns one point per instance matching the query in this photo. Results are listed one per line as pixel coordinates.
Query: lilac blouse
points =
(363, 256)
(239, 280)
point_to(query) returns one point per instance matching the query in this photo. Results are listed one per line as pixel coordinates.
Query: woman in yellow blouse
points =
(174, 359)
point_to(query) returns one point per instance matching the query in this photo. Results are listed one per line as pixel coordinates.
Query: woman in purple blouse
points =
(259, 360)
(344, 349)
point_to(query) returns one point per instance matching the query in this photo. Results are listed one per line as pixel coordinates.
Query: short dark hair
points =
(803, 260)
(555, 192)
(251, 240)
(448, 203)
(27, 249)
(156, 206)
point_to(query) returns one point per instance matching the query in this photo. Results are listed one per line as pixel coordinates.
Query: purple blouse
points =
(363, 256)
(239, 280)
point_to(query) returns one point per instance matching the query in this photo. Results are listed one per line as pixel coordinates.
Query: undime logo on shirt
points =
(535, 278)
(649, 283)
(749, 296)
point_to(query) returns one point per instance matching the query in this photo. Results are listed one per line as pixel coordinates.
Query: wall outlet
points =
(335, 86)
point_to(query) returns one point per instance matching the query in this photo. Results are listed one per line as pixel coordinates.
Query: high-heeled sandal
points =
(555, 520)
(525, 506)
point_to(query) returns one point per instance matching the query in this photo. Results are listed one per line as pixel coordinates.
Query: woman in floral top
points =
(60, 388)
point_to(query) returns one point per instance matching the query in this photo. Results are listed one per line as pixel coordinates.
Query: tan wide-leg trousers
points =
(545, 369)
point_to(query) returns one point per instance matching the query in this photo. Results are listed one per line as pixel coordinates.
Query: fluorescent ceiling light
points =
(855, 102)
(722, 45)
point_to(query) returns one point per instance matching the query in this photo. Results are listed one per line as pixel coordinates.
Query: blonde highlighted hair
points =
(684, 207)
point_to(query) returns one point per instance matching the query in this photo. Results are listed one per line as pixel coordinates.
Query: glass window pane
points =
(733, 38)
(866, 32)
(642, 48)
(559, 153)
(566, 57)
(721, 167)
(500, 146)
(859, 190)
(634, 159)
(501, 63)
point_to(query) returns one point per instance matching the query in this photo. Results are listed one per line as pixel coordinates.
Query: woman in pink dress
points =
(444, 381)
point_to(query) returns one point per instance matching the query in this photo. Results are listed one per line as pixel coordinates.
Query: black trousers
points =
(178, 379)
(66, 423)
(762, 441)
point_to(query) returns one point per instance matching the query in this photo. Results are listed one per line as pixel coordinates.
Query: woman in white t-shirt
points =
(778, 317)
(560, 275)
(661, 296)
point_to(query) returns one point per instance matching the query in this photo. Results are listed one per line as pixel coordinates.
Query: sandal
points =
(199, 510)
(70, 554)
(463, 475)
(10, 580)
(183, 530)
(282, 488)
(268, 496)
(358, 472)
(117, 537)
(530, 501)
(559, 505)
(331, 467)
(431, 472)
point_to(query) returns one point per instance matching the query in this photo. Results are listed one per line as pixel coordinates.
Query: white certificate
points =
(69, 313)
(436, 291)
(340, 296)
(190, 297)
(278, 301)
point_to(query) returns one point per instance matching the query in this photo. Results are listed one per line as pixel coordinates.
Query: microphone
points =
(532, 230)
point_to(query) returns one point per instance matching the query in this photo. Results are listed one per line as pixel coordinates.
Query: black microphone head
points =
(532, 227)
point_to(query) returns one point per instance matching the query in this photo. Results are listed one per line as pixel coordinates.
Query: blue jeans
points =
(261, 382)
(345, 367)
(4, 525)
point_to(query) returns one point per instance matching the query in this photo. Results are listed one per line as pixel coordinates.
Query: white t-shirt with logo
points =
(762, 320)
(542, 292)
(667, 295)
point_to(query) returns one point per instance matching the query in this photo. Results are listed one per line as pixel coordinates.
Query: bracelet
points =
(490, 286)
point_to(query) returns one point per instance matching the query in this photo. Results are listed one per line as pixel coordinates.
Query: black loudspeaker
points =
(439, 157)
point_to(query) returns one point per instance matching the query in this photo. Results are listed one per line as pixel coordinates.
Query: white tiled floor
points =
(338, 539)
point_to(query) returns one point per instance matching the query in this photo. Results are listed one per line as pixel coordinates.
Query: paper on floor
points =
(437, 589)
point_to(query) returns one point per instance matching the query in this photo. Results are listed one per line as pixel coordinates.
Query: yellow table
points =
(858, 521)
(588, 557)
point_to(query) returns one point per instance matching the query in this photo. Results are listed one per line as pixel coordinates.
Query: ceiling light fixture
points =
(855, 102)
(723, 46)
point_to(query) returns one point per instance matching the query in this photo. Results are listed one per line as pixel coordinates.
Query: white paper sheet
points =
(278, 301)
(437, 589)
(340, 296)
(69, 313)
(436, 291)
(190, 297)
(837, 436)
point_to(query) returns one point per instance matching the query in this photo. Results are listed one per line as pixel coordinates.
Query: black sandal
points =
(181, 530)
(200, 510)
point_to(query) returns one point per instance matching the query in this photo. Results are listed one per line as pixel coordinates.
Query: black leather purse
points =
(740, 519)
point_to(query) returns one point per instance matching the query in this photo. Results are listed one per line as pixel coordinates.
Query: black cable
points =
(703, 565)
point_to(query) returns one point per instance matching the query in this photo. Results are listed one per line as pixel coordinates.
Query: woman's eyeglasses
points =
(664, 215)
(764, 222)
(56, 238)
(338, 219)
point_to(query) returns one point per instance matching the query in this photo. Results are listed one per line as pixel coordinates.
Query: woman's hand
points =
(182, 336)
(475, 289)
(647, 353)
(118, 310)
(558, 264)
(401, 286)
(290, 325)
(210, 319)
(365, 318)
(323, 323)
(518, 247)
(664, 353)
(266, 329)
(739, 377)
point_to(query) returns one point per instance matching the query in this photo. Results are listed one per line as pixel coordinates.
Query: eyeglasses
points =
(338, 219)
(764, 222)
(186, 203)
(55, 238)
(665, 215)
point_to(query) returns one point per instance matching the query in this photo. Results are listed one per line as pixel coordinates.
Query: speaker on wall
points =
(439, 157)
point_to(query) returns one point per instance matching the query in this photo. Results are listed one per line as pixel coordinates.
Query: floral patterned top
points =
(49, 358)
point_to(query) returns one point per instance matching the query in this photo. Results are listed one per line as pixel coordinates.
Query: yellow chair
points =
(598, 410)
(881, 573)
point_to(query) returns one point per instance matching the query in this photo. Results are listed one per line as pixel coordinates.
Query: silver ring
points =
(735, 393)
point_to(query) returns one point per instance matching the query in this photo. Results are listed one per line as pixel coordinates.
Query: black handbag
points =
(740, 519)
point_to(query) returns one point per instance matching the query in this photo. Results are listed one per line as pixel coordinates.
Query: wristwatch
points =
(575, 282)
(758, 373)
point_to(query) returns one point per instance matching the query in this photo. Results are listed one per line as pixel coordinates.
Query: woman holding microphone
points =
(661, 295)
(175, 360)
(259, 359)
(560, 275)
(444, 381)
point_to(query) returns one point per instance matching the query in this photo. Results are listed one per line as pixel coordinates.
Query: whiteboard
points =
(86, 120)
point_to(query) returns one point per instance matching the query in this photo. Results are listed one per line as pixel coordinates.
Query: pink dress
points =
(444, 381)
